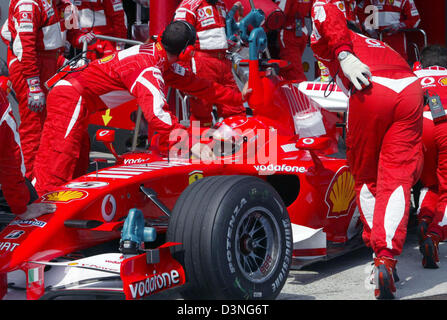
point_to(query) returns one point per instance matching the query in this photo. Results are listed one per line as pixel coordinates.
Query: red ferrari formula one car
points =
(278, 195)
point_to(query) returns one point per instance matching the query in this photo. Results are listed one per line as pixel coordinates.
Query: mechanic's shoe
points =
(422, 227)
(429, 250)
(384, 277)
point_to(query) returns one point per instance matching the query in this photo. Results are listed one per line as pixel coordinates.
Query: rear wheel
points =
(236, 238)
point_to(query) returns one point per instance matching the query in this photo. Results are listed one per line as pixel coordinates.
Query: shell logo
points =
(64, 196)
(340, 196)
(443, 81)
(107, 59)
(341, 6)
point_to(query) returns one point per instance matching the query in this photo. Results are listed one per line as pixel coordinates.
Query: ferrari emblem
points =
(195, 175)
(64, 196)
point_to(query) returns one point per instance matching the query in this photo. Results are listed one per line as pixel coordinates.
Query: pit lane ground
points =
(347, 277)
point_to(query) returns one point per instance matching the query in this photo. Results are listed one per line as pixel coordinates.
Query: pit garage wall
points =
(433, 20)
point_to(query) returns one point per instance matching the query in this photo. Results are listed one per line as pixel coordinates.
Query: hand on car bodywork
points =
(203, 152)
(89, 38)
(355, 70)
(35, 210)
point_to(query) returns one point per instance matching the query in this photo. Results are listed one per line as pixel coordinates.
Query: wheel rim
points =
(258, 244)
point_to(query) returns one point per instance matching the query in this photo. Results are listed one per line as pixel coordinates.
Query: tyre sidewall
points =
(242, 198)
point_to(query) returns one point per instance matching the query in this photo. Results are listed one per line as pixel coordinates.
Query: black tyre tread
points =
(196, 213)
(192, 212)
(203, 197)
(215, 278)
(217, 187)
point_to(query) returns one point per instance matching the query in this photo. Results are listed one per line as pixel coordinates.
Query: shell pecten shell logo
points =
(64, 196)
(340, 196)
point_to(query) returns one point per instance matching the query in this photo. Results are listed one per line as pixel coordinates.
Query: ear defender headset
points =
(187, 52)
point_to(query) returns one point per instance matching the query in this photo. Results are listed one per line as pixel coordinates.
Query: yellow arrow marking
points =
(106, 117)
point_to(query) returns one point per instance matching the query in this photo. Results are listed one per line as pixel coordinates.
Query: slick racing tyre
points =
(236, 238)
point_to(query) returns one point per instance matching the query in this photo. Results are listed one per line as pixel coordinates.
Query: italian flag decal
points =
(33, 275)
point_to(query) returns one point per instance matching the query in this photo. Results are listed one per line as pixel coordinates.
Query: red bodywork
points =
(323, 187)
(315, 184)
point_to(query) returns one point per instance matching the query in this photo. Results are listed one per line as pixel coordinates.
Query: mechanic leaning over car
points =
(35, 43)
(432, 212)
(384, 129)
(12, 168)
(209, 60)
(392, 17)
(143, 71)
(101, 17)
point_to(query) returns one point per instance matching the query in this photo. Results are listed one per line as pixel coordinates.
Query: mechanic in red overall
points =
(392, 16)
(102, 17)
(209, 61)
(12, 168)
(432, 213)
(349, 9)
(384, 129)
(33, 34)
(293, 37)
(141, 72)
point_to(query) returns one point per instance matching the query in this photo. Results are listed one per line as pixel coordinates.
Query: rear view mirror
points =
(317, 143)
(312, 145)
(107, 137)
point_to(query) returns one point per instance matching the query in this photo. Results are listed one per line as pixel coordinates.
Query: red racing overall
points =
(12, 168)
(102, 17)
(209, 61)
(384, 129)
(433, 202)
(35, 40)
(391, 14)
(293, 37)
(141, 72)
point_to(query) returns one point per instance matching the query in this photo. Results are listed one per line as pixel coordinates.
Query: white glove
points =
(88, 37)
(356, 71)
(203, 152)
(35, 210)
(36, 97)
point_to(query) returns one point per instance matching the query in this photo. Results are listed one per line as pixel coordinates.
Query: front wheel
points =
(236, 238)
